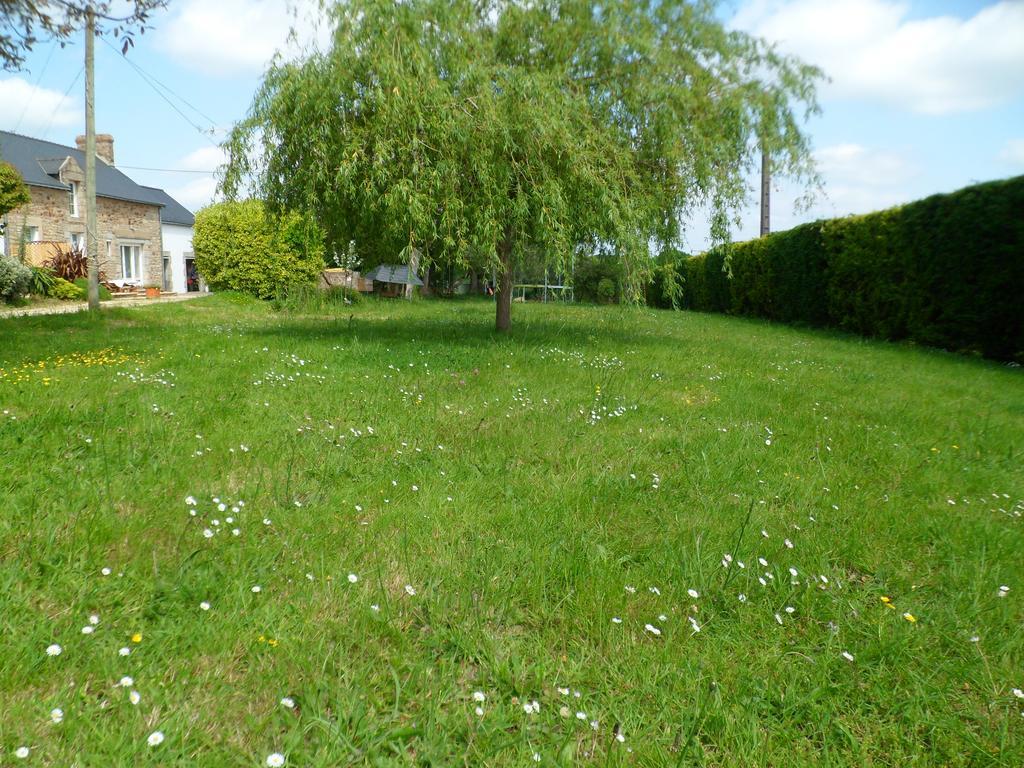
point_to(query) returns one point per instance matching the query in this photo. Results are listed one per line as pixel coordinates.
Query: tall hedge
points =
(239, 246)
(946, 271)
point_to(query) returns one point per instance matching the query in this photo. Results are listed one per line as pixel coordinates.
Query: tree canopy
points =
(23, 23)
(476, 130)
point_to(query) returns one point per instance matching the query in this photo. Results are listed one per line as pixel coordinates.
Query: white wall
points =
(177, 240)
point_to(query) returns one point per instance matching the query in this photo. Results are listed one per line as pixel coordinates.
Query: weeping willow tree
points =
(475, 131)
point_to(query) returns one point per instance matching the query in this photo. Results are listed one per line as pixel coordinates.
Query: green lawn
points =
(513, 513)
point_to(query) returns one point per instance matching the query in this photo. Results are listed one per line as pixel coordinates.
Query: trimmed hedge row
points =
(946, 271)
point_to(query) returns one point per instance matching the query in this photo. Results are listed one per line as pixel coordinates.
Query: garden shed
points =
(391, 279)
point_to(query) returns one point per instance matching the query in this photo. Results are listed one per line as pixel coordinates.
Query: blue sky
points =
(925, 96)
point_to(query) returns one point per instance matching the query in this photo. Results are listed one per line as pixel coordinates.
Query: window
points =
(32, 234)
(77, 242)
(73, 199)
(131, 269)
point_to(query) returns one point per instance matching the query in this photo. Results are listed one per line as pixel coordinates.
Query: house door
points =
(167, 282)
(191, 276)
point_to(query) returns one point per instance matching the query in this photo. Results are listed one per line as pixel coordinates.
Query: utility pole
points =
(766, 192)
(91, 242)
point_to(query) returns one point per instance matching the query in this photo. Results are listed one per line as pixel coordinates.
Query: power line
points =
(163, 170)
(62, 100)
(203, 132)
(32, 93)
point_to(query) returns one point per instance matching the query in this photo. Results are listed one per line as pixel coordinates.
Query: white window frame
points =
(32, 234)
(74, 199)
(77, 239)
(137, 271)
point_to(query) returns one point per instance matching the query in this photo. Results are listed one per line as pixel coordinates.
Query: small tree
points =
(494, 127)
(13, 192)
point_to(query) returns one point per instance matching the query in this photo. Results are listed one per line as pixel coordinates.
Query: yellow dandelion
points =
(272, 643)
(137, 637)
(910, 617)
(885, 599)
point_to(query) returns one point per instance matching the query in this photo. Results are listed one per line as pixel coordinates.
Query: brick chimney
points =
(104, 147)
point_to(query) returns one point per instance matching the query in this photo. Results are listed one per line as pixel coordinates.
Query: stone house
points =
(128, 215)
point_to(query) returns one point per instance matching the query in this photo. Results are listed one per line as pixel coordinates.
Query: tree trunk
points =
(503, 296)
(474, 282)
(414, 267)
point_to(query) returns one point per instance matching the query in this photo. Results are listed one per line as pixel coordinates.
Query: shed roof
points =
(393, 273)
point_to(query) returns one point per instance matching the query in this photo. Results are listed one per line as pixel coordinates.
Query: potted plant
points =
(152, 291)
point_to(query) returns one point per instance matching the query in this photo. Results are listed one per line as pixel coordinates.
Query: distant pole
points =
(766, 192)
(91, 244)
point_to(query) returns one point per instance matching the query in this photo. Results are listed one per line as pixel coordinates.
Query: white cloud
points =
(29, 108)
(872, 50)
(203, 159)
(1013, 153)
(195, 193)
(856, 179)
(232, 37)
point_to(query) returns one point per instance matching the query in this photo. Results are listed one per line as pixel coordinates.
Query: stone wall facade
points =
(118, 223)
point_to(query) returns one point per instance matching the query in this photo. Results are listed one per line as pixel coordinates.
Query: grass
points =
(545, 496)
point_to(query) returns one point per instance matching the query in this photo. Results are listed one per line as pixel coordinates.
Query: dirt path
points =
(81, 306)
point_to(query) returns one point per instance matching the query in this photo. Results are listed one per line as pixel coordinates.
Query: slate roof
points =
(173, 212)
(392, 273)
(39, 163)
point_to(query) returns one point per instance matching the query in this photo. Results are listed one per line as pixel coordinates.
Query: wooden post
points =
(91, 241)
(766, 191)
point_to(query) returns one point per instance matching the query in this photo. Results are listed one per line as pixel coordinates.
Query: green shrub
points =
(239, 246)
(15, 279)
(947, 271)
(66, 291)
(588, 274)
(83, 283)
(41, 280)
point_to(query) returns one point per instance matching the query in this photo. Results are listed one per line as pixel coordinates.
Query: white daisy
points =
(134, 697)
(275, 760)
(847, 655)
(693, 593)
(126, 651)
(126, 682)
(288, 702)
(156, 738)
(204, 605)
(57, 715)
(652, 629)
(479, 696)
(256, 589)
(352, 578)
(409, 590)
(53, 650)
(21, 753)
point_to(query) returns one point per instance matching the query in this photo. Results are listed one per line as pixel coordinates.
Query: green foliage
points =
(41, 281)
(83, 283)
(13, 192)
(66, 291)
(597, 279)
(665, 289)
(478, 132)
(947, 271)
(15, 278)
(240, 246)
(311, 298)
